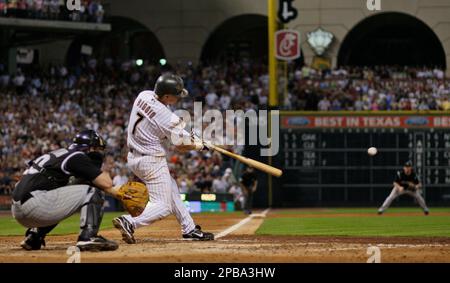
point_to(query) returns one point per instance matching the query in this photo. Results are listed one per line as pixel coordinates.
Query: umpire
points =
(43, 196)
(406, 182)
(248, 183)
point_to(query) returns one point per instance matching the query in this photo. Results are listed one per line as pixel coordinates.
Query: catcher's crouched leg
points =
(90, 220)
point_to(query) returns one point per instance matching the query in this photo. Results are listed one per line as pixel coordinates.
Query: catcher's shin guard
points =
(91, 214)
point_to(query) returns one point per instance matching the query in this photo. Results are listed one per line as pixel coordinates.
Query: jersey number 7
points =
(139, 119)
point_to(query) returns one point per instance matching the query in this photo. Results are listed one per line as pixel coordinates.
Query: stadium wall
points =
(183, 28)
(325, 161)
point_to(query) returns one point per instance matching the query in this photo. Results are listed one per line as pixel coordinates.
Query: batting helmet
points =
(170, 84)
(86, 139)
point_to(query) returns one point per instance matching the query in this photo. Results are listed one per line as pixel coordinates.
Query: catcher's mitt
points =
(134, 197)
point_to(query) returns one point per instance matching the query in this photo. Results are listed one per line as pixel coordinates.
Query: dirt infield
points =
(162, 242)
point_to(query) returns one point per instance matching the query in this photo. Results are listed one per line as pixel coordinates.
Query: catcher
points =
(44, 196)
(406, 182)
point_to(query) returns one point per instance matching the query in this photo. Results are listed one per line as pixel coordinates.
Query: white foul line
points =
(240, 224)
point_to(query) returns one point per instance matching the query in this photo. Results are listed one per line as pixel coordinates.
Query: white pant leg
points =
(179, 209)
(394, 194)
(420, 200)
(155, 173)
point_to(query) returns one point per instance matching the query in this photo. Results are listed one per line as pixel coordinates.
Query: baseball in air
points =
(372, 151)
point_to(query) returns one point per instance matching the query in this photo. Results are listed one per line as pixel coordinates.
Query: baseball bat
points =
(248, 161)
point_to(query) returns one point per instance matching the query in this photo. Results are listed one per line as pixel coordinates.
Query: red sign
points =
(5, 200)
(365, 122)
(287, 43)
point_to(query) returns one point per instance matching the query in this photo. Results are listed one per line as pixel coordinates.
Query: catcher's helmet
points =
(87, 139)
(170, 84)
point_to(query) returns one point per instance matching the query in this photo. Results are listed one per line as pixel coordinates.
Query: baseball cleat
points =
(125, 228)
(199, 235)
(380, 212)
(97, 243)
(426, 212)
(32, 240)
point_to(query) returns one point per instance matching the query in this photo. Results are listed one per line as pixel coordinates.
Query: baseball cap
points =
(408, 163)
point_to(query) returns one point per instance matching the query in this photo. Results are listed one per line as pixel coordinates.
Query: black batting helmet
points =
(87, 139)
(170, 84)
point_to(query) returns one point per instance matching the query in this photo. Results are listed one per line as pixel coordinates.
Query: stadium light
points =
(139, 62)
(162, 61)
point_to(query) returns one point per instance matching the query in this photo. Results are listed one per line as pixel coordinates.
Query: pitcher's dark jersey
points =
(402, 179)
(53, 170)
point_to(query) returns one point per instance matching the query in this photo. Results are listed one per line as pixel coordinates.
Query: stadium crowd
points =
(90, 10)
(43, 108)
(371, 89)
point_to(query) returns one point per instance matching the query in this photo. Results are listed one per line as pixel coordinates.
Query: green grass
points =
(377, 226)
(358, 210)
(71, 225)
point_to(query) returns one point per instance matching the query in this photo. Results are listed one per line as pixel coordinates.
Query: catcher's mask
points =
(170, 84)
(88, 140)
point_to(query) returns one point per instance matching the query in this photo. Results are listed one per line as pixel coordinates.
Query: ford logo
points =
(417, 121)
(298, 121)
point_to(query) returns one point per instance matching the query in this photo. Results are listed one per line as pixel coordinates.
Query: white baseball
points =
(372, 151)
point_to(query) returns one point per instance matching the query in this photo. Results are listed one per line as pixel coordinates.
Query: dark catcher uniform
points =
(43, 197)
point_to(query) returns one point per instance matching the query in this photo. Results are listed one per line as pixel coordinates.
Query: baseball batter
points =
(151, 124)
(44, 197)
(406, 182)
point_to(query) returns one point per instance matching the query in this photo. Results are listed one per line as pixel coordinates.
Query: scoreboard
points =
(325, 158)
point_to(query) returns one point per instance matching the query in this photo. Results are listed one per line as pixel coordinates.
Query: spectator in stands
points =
(91, 10)
(39, 9)
(324, 104)
(219, 184)
(46, 9)
(95, 11)
(238, 197)
(6, 184)
(3, 7)
(21, 11)
(12, 8)
(99, 94)
(54, 9)
(184, 184)
(121, 177)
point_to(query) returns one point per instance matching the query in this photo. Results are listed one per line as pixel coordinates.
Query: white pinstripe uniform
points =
(151, 122)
